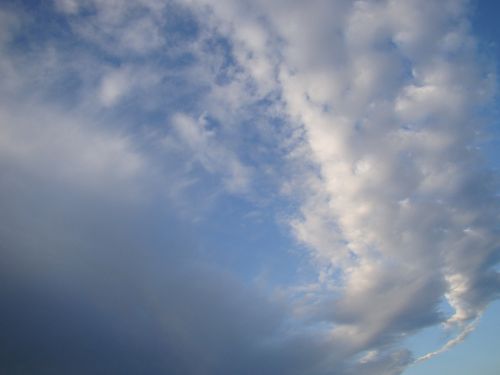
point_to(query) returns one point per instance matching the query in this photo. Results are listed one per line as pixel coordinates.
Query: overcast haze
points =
(247, 187)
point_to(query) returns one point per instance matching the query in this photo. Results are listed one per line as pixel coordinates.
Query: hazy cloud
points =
(120, 117)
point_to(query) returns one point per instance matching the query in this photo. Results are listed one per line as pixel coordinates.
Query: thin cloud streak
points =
(466, 331)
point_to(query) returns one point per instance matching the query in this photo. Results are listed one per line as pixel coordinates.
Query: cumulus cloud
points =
(388, 107)
(366, 112)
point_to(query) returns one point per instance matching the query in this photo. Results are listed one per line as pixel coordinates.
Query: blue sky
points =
(249, 187)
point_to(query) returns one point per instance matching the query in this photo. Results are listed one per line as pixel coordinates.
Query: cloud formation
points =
(124, 126)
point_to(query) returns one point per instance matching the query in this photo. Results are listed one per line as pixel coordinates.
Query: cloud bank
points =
(128, 128)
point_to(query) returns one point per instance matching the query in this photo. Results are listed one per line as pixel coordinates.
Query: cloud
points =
(388, 108)
(454, 341)
(201, 144)
(122, 118)
(78, 154)
(117, 26)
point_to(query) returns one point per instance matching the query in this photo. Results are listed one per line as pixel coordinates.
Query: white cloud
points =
(76, 153)
(128, 80)
(200, 144)
(67, 6)
(114, 86)
(379, 102)
(386, 93)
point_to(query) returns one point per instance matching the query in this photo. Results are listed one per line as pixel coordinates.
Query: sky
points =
(249, 187)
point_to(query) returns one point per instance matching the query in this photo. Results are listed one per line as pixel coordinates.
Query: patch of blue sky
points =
(485, 24)
(433, 337)
(251, 241)
(478, 354)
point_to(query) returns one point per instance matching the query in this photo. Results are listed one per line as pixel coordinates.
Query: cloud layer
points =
(126, 128)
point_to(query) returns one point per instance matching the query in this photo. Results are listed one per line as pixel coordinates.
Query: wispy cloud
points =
(360, 118)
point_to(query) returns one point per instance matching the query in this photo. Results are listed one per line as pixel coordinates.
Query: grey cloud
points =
(100, 269)
(100, 272)
(93, 281)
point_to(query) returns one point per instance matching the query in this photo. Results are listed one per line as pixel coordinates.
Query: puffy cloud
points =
(386, 92)
(368, 107)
